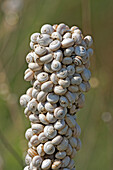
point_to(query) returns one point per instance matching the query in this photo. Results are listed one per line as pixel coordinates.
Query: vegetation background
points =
(20, 18)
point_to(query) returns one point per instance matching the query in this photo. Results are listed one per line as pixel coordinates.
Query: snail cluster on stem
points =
(58, 70)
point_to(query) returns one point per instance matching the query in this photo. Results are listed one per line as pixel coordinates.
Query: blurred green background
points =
(20, 18)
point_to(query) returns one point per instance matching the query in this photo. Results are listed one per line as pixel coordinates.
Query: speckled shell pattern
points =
(58, 71)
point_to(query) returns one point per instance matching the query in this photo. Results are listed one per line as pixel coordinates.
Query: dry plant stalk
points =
(58, 70)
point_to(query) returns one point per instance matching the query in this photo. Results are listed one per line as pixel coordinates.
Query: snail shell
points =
(34, 66)
(44, 39)
(46, 164)
(61, 28)
(28, 159)
(60, 124)
(43, 119)
(32, 152)
(79, 69)
(76, 80)
(34, 118)
(67, 60)
(87, 86)
(34, 37)
(74, 28)
(46, 58)
(34, 93)
(86, 74)
(37, 85)
(63, 145)
(28, 134)
(65, 161)
(49, 148)
(56, 164)
(60, 112)
(40, 150)
(69, 150)
(55, 65)
(88, 40)
(70, 70)
(68, 133)
(74, 152)
(42, 138)
(81, 100)
(71, 164)
(80, 51)
(37, 160)
(73, 89)
(32, 45)
(63, 131)
(77, 37)
(72, 109)
(67, 42)
(52, 98)
(59, 90)
(41, 96)
(50, 107)
(70, 121)
(73, 142)
(64, 82)
(47, 29)
(28, 75)
(60, 155)
(82, 87)
(24, 99)
(29, 91)
(63, 101)
(47, 86)
(62, 73)
(50, 117)
(57, 140)
(56, 35)
(27, 112)
(71, 96)
(41, 107)
(47, 68)
(42, 77)
(58, 55)
(54, 45)
(40, 50)
(77, 60)
(34, 140)
(32, 105)
(54, 78)
(29, 57)
(77, 131)
(50, 132)
(37, 128)
(67, 35)
(68, 51)
(78, 144)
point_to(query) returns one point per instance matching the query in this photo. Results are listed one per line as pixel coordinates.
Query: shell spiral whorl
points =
(58, 70)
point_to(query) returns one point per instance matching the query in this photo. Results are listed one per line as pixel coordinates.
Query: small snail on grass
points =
(58, 70)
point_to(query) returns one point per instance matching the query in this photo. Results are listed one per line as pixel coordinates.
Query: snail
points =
(67, 42)
(47, 29)
(56, 35)
(49, 148)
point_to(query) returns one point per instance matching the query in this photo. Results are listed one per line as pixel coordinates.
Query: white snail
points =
(58, 70)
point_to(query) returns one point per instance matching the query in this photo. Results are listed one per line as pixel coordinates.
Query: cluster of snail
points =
(58, 72)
